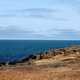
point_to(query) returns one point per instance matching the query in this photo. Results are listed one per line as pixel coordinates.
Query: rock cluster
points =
(53, 52)
(48, 54)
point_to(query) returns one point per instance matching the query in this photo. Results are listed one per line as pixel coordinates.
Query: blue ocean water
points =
(11, 50)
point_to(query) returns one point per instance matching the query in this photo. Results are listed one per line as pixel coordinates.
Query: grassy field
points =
(59, 67)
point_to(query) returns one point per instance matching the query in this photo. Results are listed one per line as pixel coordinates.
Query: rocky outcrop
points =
(51, 53)
(47, 54)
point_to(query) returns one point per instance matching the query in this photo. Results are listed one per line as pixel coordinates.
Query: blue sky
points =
(40, 19)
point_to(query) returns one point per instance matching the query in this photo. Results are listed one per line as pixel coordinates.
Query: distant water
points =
(11, 50)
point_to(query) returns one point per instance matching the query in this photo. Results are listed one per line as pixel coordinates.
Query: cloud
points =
(14, 32)
(44, 13)
(29, 11)
(38, 10)
(66, 34)
(9, 30)
(71, 34)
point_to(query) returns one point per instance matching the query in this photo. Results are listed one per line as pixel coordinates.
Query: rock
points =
(2, 64)
(7, 64)
(57, 51)
(32, 56)
(38, 57)
(12, 63)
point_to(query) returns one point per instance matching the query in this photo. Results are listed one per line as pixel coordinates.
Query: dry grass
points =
(58, 68)
(40, 75)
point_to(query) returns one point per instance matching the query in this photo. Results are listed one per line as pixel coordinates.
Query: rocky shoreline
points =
(54, 64)
(46, 55)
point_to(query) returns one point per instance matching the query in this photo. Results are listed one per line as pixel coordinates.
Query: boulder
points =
(38, 57)
(2, 63)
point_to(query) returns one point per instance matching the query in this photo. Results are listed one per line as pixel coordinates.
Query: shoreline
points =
(45, 55)
(64, 65)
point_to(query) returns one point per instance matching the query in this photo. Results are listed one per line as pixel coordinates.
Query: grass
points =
(58, 68)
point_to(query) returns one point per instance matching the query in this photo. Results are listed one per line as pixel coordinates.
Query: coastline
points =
(58, 64)
(51, 53)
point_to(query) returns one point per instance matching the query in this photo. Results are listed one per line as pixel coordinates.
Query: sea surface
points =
(11, 50)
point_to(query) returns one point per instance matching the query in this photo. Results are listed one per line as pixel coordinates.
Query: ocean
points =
(11, 50)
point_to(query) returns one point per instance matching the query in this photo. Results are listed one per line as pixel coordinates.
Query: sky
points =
(40, 19)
